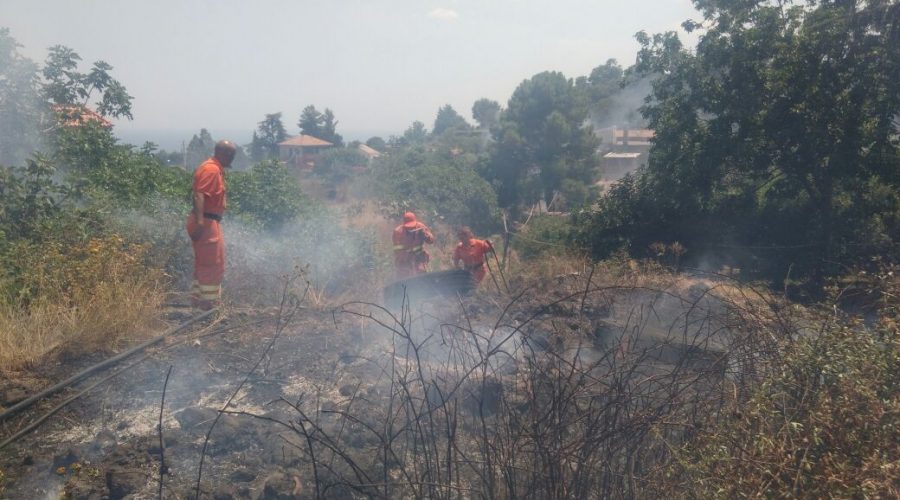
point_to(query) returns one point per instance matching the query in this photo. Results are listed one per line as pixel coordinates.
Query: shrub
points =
(63, 298)
(544, 234)
(267, 196)
(438, 184)
(826, 423)
(30, 198)
(336, 165)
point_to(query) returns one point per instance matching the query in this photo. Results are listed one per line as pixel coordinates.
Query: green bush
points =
(437, 184)
(544, 234)
(824, 424)
(267, 196)
(97, 165)
(30, 198)
(336, 165)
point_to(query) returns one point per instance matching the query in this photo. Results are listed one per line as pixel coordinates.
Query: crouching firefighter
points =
(470, 253)
(409, 238)
(203, 226)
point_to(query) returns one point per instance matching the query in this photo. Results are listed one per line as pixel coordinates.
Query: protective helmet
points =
(409, 220)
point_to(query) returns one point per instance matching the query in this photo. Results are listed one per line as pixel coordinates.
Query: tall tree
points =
(377, 143)
(329, 129)
(25, 97)
(448, 119)
(602, 92)
(66, 86)
(779, 132)
(199, 148)
(542, 140)
(416, 133)
(310, 121)
(21, 104)
(485, 112)
(269, 133)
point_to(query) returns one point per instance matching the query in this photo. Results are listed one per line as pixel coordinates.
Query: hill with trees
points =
(768, 209)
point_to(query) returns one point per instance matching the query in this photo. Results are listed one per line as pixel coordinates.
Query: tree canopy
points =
(541, 140)
(268, 134)
(320, 125)
(448, 119)
(485, 112)
(777, 139)
(35, 99)
(438, 185)
(416, 133)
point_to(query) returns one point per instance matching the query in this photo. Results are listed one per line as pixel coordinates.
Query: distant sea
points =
(171, 139)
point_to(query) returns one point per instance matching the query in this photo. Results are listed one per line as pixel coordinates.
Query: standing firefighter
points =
(410, 257)
(203, 226)
(470, 253)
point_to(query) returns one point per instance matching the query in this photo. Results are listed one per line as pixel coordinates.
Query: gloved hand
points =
(195, 229)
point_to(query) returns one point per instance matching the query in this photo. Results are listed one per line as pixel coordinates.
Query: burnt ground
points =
(106, 444)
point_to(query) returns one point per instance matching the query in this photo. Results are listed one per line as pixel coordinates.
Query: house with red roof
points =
(77, 115)
(301, 151)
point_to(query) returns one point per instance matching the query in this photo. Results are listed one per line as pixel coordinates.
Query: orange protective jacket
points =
(410, 256)
(472, 256)
(209, 248)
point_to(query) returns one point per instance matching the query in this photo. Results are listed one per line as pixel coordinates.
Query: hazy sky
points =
(377, 64)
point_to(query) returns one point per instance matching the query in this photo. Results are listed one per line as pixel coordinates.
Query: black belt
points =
(474, 266)
(215, 217)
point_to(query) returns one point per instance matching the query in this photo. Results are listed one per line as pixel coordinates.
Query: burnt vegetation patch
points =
(621, 396)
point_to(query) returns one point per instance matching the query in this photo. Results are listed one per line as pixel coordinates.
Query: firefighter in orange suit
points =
(203, 226)
(410, 256)
(470, 253)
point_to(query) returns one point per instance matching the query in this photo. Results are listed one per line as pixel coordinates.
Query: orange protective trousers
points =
(209, 262)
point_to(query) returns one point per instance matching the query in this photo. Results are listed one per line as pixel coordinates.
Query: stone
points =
(104, 442)
(122, 481)
(65, 460)
(194, 416)
(281, 486)
(242, 476)
(82, 487)
(196, 420)
(223, 493)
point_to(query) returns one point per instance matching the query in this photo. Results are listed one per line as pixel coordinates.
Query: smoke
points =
(334, 259)
(623, 108)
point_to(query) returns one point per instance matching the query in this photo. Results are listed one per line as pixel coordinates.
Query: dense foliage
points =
(448, 120)
(541, 141)
(776, 143)
(439, 184)
(320, 125)
(268, 134)
(826, 426)
(336, 165)
(267, 196)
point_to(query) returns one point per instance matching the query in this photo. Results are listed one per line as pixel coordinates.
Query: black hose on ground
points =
(34, 425)
(12, 410)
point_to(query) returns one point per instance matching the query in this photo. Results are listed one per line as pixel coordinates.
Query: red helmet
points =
(409, 220)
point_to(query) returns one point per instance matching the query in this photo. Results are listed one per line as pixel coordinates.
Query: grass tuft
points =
(69, 301)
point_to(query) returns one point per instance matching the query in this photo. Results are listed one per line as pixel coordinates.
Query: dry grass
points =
(754, 398)
(85, 300)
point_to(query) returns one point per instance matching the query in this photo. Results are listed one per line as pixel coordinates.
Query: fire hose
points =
(84, 373)
(12, 410)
